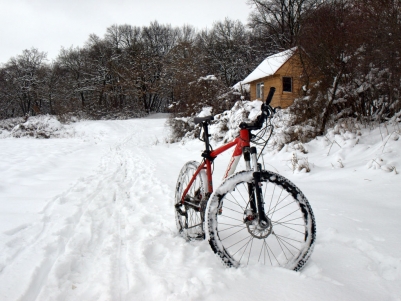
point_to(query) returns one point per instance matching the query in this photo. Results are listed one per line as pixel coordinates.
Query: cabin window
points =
(259, 90)
(287, 84)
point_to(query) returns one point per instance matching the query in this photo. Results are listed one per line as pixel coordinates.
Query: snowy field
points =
(90, 217)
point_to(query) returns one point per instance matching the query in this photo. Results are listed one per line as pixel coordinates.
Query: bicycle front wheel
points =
(235, 234)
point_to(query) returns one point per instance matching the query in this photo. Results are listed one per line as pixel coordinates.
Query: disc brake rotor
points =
(254, 227)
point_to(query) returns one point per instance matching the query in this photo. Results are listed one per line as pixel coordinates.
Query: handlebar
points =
(267, 110)
(270, 95)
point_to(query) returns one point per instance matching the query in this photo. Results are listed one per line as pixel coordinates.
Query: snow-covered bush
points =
(42, 126)
(206, 91)
(299, 164)
(287, 132)
(224, 127)
(10, 123)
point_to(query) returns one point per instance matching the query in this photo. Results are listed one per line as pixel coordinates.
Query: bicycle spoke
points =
(296, 210)
(292, 224)
(230, 228)
(250, 250)
(232, 234)
(236, 243)
(279, 202)
(302, 225)
(273, 254)
(290, 228)
(290, 220)
(251, 239)
(235, 203)
(232, 195)
(232, 218)
(267, 251)
(246, 202)
(234, 210)
(288, 238)
(264, 194)
(236, 225)
(261, 249)
(270, 204)
(284, 241)
(195, 226)
(192, 218)
(281, 247)
(271, 200)
(284, 207)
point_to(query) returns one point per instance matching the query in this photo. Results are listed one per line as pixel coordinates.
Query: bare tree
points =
(280, 20)
(227, 51)
(24, 76)
(75, 61)
(352, 47)
(331, 39)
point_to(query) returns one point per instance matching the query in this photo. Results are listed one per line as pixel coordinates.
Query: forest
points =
(130, 71)
(350, 54)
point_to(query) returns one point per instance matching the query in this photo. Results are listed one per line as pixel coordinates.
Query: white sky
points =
(50, 24)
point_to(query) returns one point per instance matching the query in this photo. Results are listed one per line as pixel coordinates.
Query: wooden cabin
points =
(282, 71)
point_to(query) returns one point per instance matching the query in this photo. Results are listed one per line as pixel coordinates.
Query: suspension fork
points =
(263, 221)
(251, 190)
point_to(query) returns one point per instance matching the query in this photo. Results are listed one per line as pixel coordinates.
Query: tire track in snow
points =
(67, 224)
(46, 240)
(105, 266)
(125, 246)
(101, 274)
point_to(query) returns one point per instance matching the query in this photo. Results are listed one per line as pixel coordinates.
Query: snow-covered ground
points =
(90, 217)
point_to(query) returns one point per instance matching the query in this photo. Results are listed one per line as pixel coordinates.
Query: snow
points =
(241, 86)
(269, 66)
(207, 78)
(206, 111)
(88, 215)
(242, 111)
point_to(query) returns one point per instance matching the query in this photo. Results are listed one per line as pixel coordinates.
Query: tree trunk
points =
(82, 99)
(327, 110)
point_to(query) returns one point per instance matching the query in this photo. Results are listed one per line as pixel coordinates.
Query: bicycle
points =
(255, 216)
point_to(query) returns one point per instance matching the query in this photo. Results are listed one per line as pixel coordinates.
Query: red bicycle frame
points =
(243, 140)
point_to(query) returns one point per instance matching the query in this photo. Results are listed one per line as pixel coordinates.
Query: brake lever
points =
(276, 109)
(268, 110)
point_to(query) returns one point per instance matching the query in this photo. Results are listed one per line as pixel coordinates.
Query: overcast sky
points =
(50, 24)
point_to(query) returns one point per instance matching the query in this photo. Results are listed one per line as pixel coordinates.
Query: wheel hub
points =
(257, 228)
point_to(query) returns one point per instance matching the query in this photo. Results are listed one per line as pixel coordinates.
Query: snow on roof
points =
(270, 65)
(241, 86)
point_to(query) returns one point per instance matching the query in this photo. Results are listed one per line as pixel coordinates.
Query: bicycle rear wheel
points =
(234, 232)
(189, 220)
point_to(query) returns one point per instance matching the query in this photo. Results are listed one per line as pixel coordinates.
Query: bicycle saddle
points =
(198, 120)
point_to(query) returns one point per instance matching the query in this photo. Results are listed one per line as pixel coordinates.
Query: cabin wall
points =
(270, 81)
(253, 90)
(292, 68)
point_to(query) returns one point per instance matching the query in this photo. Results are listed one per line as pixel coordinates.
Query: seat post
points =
(206, 135)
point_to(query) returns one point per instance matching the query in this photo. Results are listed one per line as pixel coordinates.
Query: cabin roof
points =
(270, 65)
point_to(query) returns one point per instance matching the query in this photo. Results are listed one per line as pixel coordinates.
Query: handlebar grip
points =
(270, 96)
